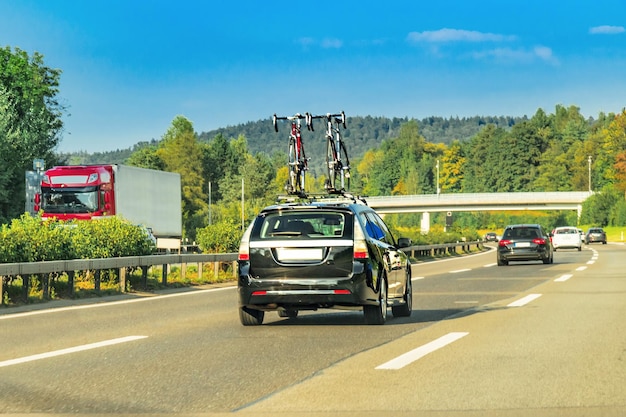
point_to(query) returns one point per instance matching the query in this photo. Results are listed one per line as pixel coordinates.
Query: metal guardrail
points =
(71, 266)
(425, 251)
(44, 268)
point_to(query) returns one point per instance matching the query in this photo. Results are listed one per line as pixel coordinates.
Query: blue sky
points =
(130, 67)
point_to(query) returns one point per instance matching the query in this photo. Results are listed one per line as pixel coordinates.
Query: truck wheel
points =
(249, 317)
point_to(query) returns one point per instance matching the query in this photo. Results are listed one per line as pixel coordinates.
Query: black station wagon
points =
(314, 255)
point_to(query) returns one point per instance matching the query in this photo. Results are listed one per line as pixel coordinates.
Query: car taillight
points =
(504, 242)
(360, 245)
(539, 241)
(244, 246)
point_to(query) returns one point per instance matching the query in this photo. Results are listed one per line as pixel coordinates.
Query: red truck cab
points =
(77, 192)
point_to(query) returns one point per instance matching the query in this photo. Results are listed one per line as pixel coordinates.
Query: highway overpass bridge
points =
(468, 202)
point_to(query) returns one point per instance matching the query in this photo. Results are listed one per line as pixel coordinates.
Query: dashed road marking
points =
(415, 354)
(69, 350)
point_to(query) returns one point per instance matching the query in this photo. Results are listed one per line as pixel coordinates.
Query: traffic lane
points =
(186, 363)
(196, 356)
(476, 281)
(562, 354)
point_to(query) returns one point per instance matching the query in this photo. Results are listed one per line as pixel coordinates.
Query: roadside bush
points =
(223, 237)
(32, 239)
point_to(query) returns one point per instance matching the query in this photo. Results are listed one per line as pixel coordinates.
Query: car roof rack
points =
(337, 197)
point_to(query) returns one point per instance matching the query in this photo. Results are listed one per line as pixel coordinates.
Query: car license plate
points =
(522, 244)
(297, 254)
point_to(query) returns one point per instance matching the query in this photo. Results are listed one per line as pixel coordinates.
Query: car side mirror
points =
(404, 242)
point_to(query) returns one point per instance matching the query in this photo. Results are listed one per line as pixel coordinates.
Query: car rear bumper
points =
(306, 294)
(517, 255)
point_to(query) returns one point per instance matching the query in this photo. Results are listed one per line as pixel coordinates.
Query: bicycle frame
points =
(298, 162)
(337, 162)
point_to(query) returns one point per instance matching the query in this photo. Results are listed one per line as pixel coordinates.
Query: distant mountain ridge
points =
(361, 134)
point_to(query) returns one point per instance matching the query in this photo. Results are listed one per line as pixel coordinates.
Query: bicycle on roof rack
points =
(337, 162)
(298, 162)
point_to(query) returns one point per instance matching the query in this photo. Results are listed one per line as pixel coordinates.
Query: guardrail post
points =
(96, 280)
(2, 290)
(200, 265)
(25, 287)
(144, 276)
(164, 275)
(122, 274)
(70, 282)
(45, 285)
(235, 272)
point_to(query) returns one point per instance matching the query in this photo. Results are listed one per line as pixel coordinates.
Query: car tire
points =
(580, 248)
(377, 314)
(249, 317)
(502, 263)
(404, 310)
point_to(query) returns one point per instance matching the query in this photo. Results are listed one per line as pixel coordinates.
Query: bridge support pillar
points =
(425, 226)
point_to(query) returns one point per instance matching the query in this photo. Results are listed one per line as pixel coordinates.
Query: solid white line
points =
(110, 303)
(524, 301)
(70, 350)
(563, 278)
(415, 354)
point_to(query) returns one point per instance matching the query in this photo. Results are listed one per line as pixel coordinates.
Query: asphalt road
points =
(525, 339)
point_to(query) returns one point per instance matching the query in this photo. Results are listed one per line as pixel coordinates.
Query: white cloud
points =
(511, 55)
(456, 35)
(606, 30)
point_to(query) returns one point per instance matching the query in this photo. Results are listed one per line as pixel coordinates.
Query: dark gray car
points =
(595, 234)
(524, 242)
(316, 255)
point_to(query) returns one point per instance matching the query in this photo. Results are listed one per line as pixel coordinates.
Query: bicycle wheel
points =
(344, 167)
(331, 158)
(302, 168)
(293, 168)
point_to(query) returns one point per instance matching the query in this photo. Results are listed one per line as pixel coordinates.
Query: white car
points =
(566, 237)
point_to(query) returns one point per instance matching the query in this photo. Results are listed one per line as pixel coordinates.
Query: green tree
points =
(30, 123)
(181, 152)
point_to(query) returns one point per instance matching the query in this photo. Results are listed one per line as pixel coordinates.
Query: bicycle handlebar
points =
(296, 116)
(308, 117)
(339, 118)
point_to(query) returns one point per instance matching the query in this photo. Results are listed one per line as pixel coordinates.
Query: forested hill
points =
(360, 135)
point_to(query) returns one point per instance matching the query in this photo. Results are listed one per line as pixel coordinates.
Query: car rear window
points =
(304, 224)
(521, 233)
(567, 231)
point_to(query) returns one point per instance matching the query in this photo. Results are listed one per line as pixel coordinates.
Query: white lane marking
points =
(563, 278)
(70, 350)
(466, 302)
(416, 278)
(581, 268)
(110, 303)
(460, 270)
(591, 262)
(489, 265)
(415, 354)
(524, 301)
